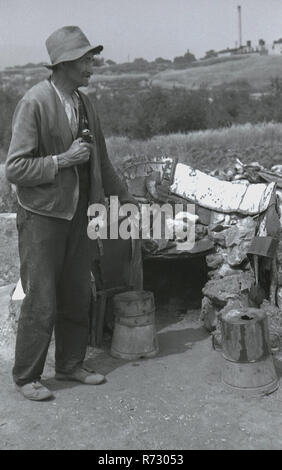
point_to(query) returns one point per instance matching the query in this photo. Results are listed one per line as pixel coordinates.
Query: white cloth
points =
(71, 106)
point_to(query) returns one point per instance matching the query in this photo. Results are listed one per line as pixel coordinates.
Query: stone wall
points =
(231, 279)
(230, 272)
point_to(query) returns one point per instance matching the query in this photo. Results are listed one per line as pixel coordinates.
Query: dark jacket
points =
(40, 130)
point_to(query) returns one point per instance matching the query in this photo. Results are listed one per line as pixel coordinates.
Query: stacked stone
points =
(230, 272)
(201, 231)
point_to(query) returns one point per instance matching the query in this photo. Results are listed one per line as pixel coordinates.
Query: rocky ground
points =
(175, 400)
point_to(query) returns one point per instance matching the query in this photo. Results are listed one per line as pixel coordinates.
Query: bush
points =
(143, 114)
(151, 112)
(8, 101)
(129, 107)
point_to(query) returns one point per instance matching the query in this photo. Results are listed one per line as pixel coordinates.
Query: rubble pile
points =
(279, 291)
(253, 172)
(231, 275)
(230, 272)
(229, 218)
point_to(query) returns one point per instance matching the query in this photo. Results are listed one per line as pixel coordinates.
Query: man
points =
(57, 176)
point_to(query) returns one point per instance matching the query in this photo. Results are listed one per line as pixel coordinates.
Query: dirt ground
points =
(173, 401)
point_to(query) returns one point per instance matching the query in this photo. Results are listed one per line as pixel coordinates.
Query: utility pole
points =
(240, 25)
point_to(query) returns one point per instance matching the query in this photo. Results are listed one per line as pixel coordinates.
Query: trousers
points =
(55, 273)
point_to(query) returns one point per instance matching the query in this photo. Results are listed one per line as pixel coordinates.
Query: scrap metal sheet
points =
(222, 196)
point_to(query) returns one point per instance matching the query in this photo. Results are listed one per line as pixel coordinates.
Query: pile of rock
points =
(253, 172)
(230, 272)
(279, 290)
(232, 278)
(232, 236)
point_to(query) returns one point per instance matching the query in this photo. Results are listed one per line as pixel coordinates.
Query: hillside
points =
(239, 90)
(256, 70)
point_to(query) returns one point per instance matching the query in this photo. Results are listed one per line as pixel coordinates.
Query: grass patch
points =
(256, 70)
(206, 150)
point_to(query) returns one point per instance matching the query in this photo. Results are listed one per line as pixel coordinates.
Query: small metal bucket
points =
(248, 364)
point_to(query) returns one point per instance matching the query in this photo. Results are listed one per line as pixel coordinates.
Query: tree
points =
(140, 64)
(189, 57)
(276, 87)
(160, 60)
(98, 61)
(110, 62)
(211, 53)
(140, 61)
(182, 62)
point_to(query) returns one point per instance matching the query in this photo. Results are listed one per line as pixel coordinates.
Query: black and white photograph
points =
(140, 226)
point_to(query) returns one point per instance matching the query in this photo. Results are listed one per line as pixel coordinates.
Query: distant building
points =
(226, 52)
(247, 48)
(276, 48)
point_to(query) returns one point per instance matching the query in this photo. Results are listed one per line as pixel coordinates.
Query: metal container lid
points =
(243, 316)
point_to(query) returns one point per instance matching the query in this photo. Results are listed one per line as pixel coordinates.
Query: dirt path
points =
(173, 401)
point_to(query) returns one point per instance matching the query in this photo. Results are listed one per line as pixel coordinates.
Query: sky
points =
(129, 29)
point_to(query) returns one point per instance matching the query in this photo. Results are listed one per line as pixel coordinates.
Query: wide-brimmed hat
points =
(67, 44)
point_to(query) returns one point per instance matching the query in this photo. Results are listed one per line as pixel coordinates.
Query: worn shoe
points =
(35, 391)
(82, 375)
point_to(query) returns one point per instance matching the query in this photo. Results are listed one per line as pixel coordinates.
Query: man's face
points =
(79, 71)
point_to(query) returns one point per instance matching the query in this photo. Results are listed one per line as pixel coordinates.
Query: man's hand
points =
(77, 154)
